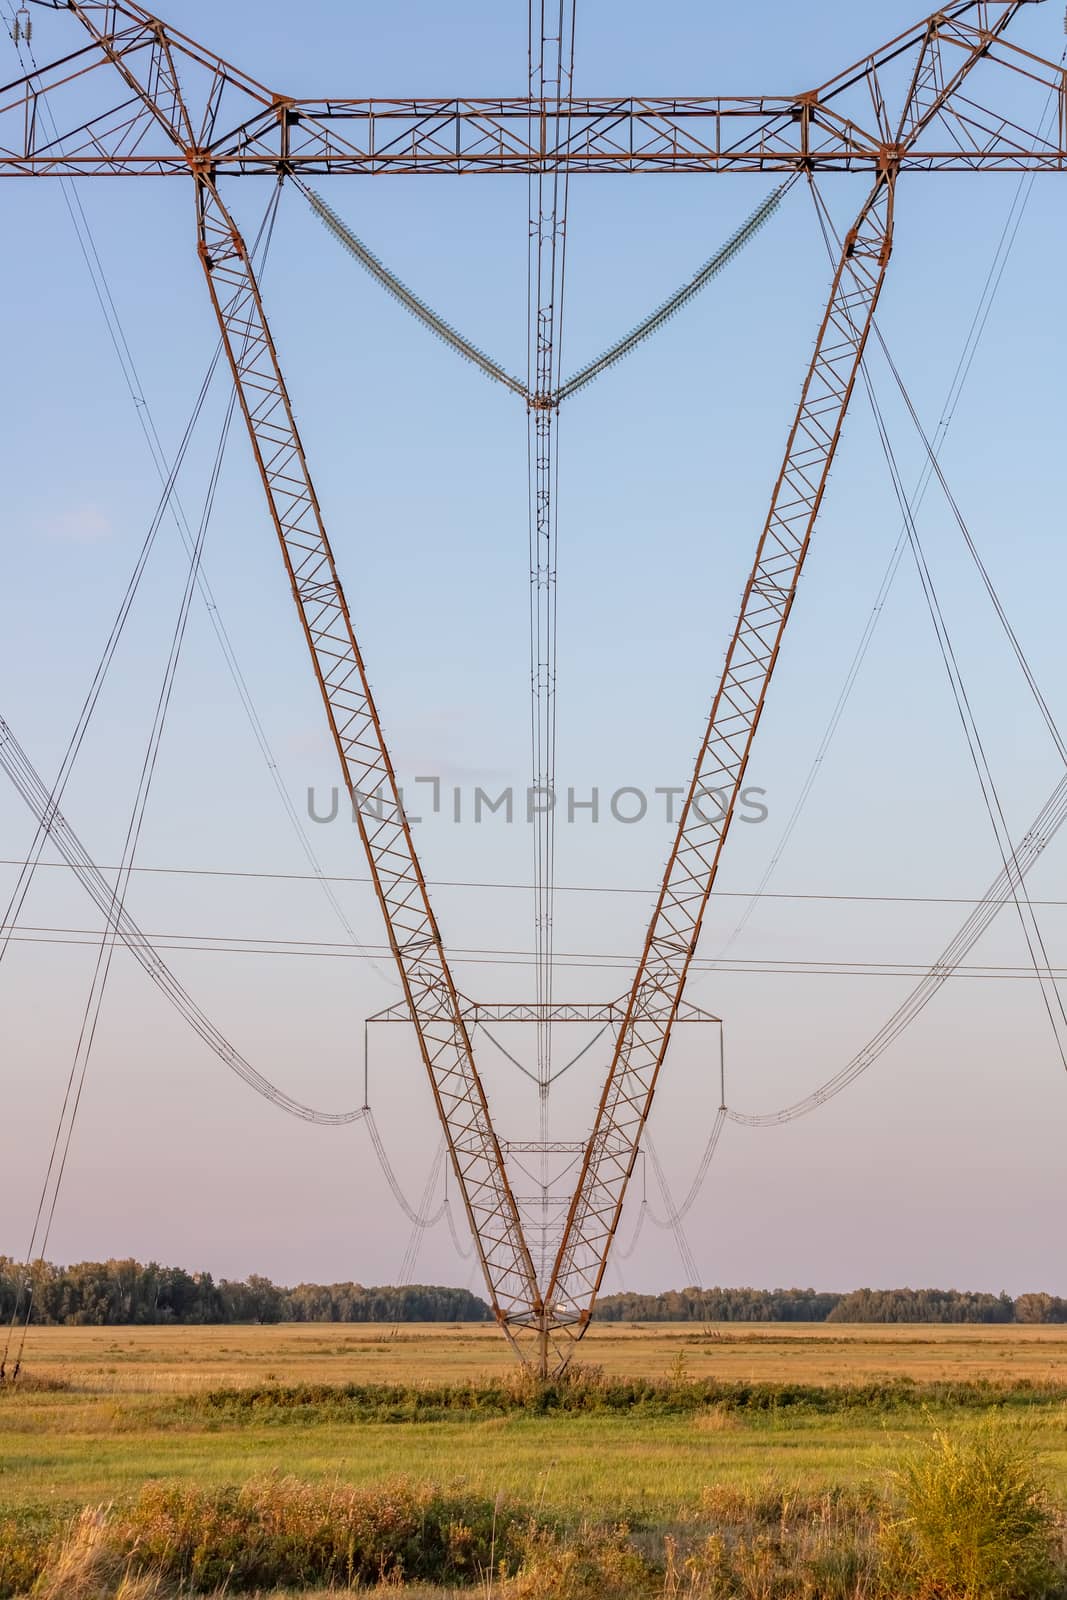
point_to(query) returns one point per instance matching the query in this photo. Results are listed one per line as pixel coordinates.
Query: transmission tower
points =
(163, 105)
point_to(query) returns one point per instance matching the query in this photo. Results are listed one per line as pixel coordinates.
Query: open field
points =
(118, 1425)
(181, 1359)
(147, 1404)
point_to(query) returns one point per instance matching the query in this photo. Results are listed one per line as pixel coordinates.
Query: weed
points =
(85, 1566)
(972, 1520)
(24, 1543)
(589, 1564)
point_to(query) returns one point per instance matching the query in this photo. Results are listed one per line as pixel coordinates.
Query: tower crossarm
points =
(245, 128)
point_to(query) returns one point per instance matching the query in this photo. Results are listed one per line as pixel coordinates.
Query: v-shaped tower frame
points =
(918, 104)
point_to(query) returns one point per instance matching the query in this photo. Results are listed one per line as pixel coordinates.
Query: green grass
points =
(72, 1450)
(591, 1392)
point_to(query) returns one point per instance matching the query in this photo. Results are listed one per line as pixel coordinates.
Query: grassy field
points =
(135, 1407)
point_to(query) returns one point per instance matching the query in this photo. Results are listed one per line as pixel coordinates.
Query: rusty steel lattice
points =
(243, 128)
(927, 102)
(542, 1211)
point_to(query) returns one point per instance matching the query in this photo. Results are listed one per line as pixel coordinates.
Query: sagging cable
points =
(419, 1218)
(32, 788)
(1005, 885)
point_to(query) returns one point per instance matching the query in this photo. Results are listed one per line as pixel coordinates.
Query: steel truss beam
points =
(240, 127)
(183, 110)
(555, 1147)
(498, 1011)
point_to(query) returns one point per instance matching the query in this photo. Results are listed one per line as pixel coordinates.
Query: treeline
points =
(718, 1305)
(932, 1305)
(116, 1293)
(809, 1305)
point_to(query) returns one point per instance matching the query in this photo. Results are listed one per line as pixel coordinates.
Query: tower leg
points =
(542, 1349)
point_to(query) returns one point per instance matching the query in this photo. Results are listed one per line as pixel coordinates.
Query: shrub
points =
(281, 1533)
(587, 1390)
(971, 1522)
(23, 1549)
(591, 1564)
(267, 1534)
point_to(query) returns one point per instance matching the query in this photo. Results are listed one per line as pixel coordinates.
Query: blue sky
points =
(949, 1152)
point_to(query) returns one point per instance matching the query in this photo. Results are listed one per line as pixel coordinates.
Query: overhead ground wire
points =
(29, 866)
(1048, 820)
(18, 894)
(1022, 855)
(1032, 932)
(576, 960)
(115, 910)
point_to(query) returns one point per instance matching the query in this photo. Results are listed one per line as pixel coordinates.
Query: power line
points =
(1009, 854)
(222, 944)
(29, 784)
(674, 1215)
(1014, 874)
(72, 1099)
(562, 888)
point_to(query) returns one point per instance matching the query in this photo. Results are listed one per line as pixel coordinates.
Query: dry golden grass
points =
(183, 1360)
(85, 1569)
